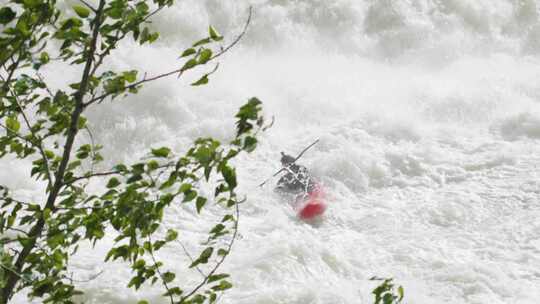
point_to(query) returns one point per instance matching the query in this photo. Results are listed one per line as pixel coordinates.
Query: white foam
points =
(427, 114)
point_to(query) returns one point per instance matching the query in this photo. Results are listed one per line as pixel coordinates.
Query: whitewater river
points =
(428, 117)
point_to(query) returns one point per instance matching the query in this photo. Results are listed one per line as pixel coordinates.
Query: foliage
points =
(41, 124)
(387, 292)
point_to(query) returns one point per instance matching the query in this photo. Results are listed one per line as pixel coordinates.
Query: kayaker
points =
(296, 178)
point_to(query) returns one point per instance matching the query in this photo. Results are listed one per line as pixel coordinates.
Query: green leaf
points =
(81, 11)
(200, 203)
(214, 34)
(184, 188)
(227, 217)
(202, 81)
(139, 264)
(205, 56)
(142, 7)
(189, 64)
(171, 235)
(13, 124)
(203, 258)
(223, 285)
(130, 76)
(134, 178)
(167, 198)
(229, 175)
(153, 165)
(189, 195)
(188, 52)
(136, 281)
(217, 229)
(213, 297)
(121, 168)
(143, 302)
(388, 298)
(44, 57)
(161, 152)
(401, 293)
(6, 15)
(217, 277)
(73, 165)
(168, 277)
(202, 42)
(250, 143)
(81, 123)
(113, 182)
(173, 291)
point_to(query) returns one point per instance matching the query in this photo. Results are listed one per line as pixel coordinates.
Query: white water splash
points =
(429, 122)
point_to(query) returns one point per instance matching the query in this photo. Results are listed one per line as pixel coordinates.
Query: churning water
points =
(429, 124)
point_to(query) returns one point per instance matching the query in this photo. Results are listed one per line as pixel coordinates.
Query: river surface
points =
(428, 117)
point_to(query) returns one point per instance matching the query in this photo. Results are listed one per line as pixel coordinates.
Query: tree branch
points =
(38, 145)
(36, 231)
(246, 25)
(218, 264)
(151, 251)
(179, 71)
(93, 175)
(107, 51)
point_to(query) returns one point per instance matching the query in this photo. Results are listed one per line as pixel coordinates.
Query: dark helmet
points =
(286, 159)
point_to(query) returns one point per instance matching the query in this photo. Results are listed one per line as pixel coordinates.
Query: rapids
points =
(429, 124)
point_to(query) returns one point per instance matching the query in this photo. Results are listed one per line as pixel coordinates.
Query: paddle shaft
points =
(298, 157)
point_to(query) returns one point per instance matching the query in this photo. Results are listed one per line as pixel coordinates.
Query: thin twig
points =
(88, 5)
(190, 257)
(218, 264)
(15, 272)
(151, 251)
(46, 87)
(167, 165)
(246, 25)
(38, 145)
(179, 71)
(18, 230)
(153, 13)
(118, 38)
(91, 278)
(94, 175)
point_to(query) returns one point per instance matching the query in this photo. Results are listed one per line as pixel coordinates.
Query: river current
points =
(428, 117)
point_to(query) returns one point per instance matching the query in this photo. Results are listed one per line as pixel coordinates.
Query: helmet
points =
(286, 159)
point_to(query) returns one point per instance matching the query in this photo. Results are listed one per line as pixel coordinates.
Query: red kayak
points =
(312, 205)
